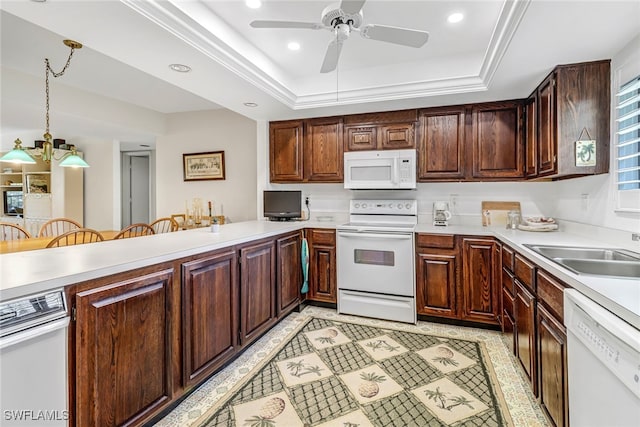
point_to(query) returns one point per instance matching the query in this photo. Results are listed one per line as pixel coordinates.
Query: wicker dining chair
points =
(134, 230)
(181, 219)
(57, 226)
(78, 236)
(164, 225)
(10, 231)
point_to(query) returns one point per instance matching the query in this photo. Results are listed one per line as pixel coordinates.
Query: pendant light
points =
(20, 155)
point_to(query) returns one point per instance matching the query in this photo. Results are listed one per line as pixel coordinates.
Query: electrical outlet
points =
(453, 202)
(584, 201)
(306, 201)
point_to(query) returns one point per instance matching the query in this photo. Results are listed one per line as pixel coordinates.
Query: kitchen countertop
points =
(26, 273)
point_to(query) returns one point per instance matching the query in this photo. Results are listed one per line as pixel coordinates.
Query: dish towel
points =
(305, 265)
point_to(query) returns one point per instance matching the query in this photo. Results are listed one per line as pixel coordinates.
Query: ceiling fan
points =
(343, 18)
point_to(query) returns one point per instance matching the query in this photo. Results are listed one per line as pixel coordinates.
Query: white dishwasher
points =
(33, 360)
(603, 364)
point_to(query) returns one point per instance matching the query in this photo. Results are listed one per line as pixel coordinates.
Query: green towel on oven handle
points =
(305, 265)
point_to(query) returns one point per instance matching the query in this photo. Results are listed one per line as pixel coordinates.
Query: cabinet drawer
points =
(507, 302)
(507, 281)
(525, 271)
(550, 292)
(445, 241)
(507, 258)
(322, 236)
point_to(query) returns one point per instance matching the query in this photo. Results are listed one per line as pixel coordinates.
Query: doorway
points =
(136, 187)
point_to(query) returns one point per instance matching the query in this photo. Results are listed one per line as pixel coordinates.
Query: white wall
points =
(101, 183)
(592, 200)
(204, 131)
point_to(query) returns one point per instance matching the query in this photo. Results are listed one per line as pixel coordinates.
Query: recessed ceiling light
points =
(455, 17)
(181, 68)
(293, 46)
(253, 4)
(250, 104)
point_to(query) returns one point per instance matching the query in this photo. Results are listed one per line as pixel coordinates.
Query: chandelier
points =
(21, 155)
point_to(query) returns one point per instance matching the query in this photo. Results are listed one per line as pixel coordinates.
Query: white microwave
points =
(380, 170)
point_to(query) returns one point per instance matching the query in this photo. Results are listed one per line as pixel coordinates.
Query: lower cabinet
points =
(288, 273)
(552, 365)
(437, 273)
(524, 308)
(322, 266)
(123, 350)
(257, 289)
(480, 296)
(209, 314)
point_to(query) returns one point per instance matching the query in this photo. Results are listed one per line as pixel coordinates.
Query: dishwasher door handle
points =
(34, 332)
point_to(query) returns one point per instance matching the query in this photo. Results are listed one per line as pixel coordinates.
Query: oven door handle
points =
(365, 235)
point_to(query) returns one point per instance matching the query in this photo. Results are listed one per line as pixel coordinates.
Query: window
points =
(628, 141)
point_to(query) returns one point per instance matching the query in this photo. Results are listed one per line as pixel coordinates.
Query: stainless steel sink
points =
(593, 261)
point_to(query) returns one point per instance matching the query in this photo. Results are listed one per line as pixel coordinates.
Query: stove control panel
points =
(383, 207)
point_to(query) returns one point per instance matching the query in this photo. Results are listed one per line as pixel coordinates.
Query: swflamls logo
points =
(35, 415)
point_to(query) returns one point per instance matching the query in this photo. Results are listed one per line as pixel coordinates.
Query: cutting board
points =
(495, 213)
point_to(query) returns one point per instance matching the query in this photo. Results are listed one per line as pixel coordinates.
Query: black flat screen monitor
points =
(282, 205)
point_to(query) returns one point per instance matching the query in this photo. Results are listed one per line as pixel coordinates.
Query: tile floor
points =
(522, 405)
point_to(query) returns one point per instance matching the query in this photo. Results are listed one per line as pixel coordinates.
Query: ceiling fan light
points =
(454, 18)
(253, 4)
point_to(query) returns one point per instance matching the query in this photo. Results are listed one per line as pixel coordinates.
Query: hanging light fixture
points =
(25, 156)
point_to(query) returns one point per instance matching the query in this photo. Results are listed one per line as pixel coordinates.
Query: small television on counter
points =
(282, 205)
(13, 203)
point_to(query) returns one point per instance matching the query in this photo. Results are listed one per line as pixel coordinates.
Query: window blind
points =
(628, 143)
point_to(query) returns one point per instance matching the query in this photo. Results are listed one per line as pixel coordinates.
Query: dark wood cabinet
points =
(531, 136)
(209, 314)
(525, 308)
(437, 275)
(552, 366)
(574, 104)
(480, 296)
(123, 350)
(441, 144)
(392, 130)
(257, 289)
(497, 143)
(323, 150)
(322, 265)
(286, 151)
(288, 273)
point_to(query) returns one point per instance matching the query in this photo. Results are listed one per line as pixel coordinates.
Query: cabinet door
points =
(480, 301)
(209, 314)
(397, 136)
(531, 137)
(524, 308)
(286, 151)
(508, 321)
(436, 279)
(552, 362)
(323, 151)
(123, 350)
(497, 143)
(361, 137)
(322, 266)
(289, 273)
(547, 126)
(257, 290)
(441, 145)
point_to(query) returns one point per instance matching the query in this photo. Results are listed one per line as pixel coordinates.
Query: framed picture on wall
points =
(37, 184)
(203, 166)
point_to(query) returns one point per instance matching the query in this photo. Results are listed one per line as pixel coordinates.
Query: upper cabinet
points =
(497, 144)
(392, 130)
(285, 151)
(306, 150)
(441, 144)
(573, 104)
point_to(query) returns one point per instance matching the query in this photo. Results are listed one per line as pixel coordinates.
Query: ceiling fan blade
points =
(351, 7)
(396, 35)
(286, 24)
(331, 57)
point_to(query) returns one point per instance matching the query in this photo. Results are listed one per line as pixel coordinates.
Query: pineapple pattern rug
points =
(346, 374)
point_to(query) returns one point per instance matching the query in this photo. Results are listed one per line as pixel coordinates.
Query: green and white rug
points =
(337, 373)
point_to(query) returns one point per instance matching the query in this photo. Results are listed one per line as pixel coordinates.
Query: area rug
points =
(335, 373)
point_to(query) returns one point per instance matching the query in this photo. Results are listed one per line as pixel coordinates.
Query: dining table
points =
(33, 243)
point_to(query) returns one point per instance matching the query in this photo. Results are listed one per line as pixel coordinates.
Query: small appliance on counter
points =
(441, 214)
